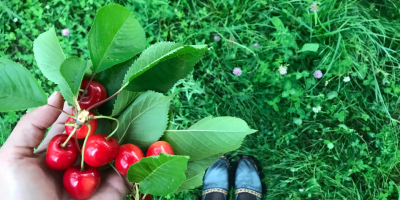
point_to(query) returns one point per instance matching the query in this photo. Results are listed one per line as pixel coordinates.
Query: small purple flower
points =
(237, 71)
(65, 32)
(318, 74)
(256, 45)
(217, 38)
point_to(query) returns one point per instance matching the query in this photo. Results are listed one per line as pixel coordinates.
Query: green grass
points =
(349, 150)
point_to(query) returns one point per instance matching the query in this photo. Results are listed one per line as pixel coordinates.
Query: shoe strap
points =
(219, 190)
(245, 190)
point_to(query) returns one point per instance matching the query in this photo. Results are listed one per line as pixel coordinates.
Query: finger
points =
(112, 186)
(57, 128)
(30, 129)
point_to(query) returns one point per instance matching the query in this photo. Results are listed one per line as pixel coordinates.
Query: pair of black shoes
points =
(247, 181)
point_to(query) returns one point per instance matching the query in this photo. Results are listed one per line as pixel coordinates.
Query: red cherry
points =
(128, 155)
(159, 147)
(58, 157)
(148, 197)
(81, 184)
(94, 94)
(82, 131)
(99, 151)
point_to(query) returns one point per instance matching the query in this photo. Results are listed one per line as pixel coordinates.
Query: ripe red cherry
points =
(58, 157)
(148, 197)
(81, 184)
(159, 147)
(99, 151)
(95, 93)
(82, 131)
(128, 155)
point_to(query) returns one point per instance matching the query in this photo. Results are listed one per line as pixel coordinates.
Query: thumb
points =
(31, 128)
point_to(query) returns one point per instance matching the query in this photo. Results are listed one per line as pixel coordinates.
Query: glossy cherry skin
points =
(82, 131)
(128, 155)
(99, 151)
(58, 157)
(81, 184)
(159, 147)
(95, 93)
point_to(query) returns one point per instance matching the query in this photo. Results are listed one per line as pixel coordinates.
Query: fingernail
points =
(55, 93)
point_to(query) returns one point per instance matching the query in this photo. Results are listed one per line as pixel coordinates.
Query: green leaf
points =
(310, 47)
(158, 175)
(192, 181)
(145, 120)
(340, 116)
(332, 94)
(115, 37)
(122, 100)
(277, 23)
(104, 126)
(208, 137)
(18, 88)
(49, 57)
(73, 69)
(161, 65)
(111, 79)
(199, 166)
(297, 121)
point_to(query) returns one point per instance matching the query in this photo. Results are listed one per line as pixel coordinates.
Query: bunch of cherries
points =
(98, 150)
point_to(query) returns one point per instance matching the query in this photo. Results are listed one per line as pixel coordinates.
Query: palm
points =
(31, 176)
(24, 175)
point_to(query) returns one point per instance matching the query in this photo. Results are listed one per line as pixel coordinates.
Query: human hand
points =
(24, 174)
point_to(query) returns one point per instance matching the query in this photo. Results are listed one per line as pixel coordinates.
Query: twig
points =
(105, 100)
(61, 110)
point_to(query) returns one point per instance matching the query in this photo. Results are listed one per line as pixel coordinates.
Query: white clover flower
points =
(15, 19)
(314, 7)
(301, 190)
(346, 79)
(316, 109)
(283, 69)
(237, 71)
(47, 7)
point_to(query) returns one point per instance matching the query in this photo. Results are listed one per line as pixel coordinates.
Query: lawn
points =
(318, 80)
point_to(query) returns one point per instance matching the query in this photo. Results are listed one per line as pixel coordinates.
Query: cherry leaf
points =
(158, 175)
(19, 89)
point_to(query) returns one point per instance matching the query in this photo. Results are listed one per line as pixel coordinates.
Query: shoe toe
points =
(246, 176)
(217, 175)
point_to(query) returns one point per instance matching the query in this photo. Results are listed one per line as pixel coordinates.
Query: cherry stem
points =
(105, 100)
(78, 107)
(87, 86)
(106, 117)
(69, 137)
(83, 148)
(61, 111)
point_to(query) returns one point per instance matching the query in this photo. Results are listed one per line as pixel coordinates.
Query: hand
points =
(24, 174)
